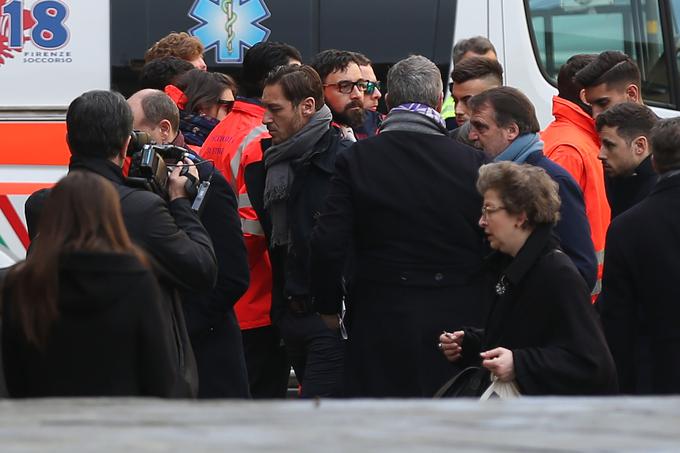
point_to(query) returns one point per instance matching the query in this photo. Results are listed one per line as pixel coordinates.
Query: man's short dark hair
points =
(477, 68)
(632, 120)
(298, 83)
(567, 86)
(510, 106)
(159, 73)
(332, 60)
(361, 59)
(258, 62)
(610, 67)
(477, 44)
(98, 123)
(664, 138)
(158, 106)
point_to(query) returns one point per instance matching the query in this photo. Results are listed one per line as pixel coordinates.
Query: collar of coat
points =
(667, 181)
(322, 160)
(540, 239)
(101, 166)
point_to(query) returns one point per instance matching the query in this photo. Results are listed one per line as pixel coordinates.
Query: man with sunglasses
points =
(372, 97)
(343, 89)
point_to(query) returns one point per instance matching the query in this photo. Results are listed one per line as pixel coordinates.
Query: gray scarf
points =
(279, 179)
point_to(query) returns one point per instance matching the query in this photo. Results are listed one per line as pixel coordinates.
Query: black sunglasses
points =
(228, 104)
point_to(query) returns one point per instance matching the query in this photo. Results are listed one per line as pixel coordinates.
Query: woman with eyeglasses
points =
(81, 316)
(542, 332)
(207, 99)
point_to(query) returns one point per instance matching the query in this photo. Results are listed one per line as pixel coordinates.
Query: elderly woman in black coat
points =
(542, 331)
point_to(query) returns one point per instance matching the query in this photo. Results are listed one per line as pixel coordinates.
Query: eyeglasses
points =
(486, 210)
(346, 86)
(372, 86)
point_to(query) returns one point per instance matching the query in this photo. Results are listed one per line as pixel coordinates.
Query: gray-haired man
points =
(406, 200)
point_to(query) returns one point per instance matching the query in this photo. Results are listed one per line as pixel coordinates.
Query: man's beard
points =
(350, 116)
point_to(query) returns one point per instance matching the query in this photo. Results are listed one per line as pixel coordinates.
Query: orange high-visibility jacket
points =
(571, 141)
(234, 143)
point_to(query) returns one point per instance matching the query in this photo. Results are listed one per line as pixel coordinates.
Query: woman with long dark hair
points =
(81, 315)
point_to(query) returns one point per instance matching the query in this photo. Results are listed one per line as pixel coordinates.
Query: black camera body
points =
(148, 169)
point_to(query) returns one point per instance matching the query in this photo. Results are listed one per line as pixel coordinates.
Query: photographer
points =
(99, 124)
(213, 329)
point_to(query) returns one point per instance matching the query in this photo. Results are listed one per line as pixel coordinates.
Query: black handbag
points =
(471, 382)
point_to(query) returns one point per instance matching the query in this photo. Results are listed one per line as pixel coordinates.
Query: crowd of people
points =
(378, 255)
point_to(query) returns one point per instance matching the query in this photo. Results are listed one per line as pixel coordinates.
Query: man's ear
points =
(166, 131)
(511, 131)
(582, 96)
(641, 146)
(122, 154)
(387, 101)
(440, 102)
(308, 107)
(633, 93)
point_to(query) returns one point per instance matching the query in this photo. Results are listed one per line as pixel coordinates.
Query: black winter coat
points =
(290, 268)
(213, 329)
(407, 203)
(172, 235)
(640, 299)
(542, 312)
(111, 337)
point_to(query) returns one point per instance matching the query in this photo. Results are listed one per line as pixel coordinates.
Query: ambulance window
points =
(562, 28)
(675, 19)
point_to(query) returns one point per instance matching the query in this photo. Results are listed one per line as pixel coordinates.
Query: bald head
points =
(155, 112)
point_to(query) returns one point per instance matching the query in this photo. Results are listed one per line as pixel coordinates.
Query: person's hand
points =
(176, 182)
(451, 344)
(332, 321)
(500, 362)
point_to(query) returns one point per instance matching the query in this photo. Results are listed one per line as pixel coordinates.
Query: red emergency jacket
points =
(233, 144)
(571, 141)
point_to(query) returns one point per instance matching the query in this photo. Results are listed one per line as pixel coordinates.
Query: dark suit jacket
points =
(407, 202)
(290, 268)
(640, 299)
(177, 243)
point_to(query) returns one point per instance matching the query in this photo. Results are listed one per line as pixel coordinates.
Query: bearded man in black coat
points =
(639, 304)
(406, 200)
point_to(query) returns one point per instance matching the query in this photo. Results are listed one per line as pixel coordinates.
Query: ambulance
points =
(51, 51)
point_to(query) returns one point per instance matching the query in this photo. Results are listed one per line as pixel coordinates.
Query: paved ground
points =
(526, 425)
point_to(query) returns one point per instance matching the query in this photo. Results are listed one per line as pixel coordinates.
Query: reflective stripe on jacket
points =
(232, 145)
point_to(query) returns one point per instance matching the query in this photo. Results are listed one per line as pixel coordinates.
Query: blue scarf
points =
(521, 148)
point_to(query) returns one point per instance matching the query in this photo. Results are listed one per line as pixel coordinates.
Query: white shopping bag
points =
(501, 390)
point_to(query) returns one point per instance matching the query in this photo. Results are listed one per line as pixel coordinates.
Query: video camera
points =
(149, 170)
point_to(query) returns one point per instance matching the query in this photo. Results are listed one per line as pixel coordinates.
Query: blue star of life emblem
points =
(229, 26)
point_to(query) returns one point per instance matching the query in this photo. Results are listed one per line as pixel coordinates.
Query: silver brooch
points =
(501, 286)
